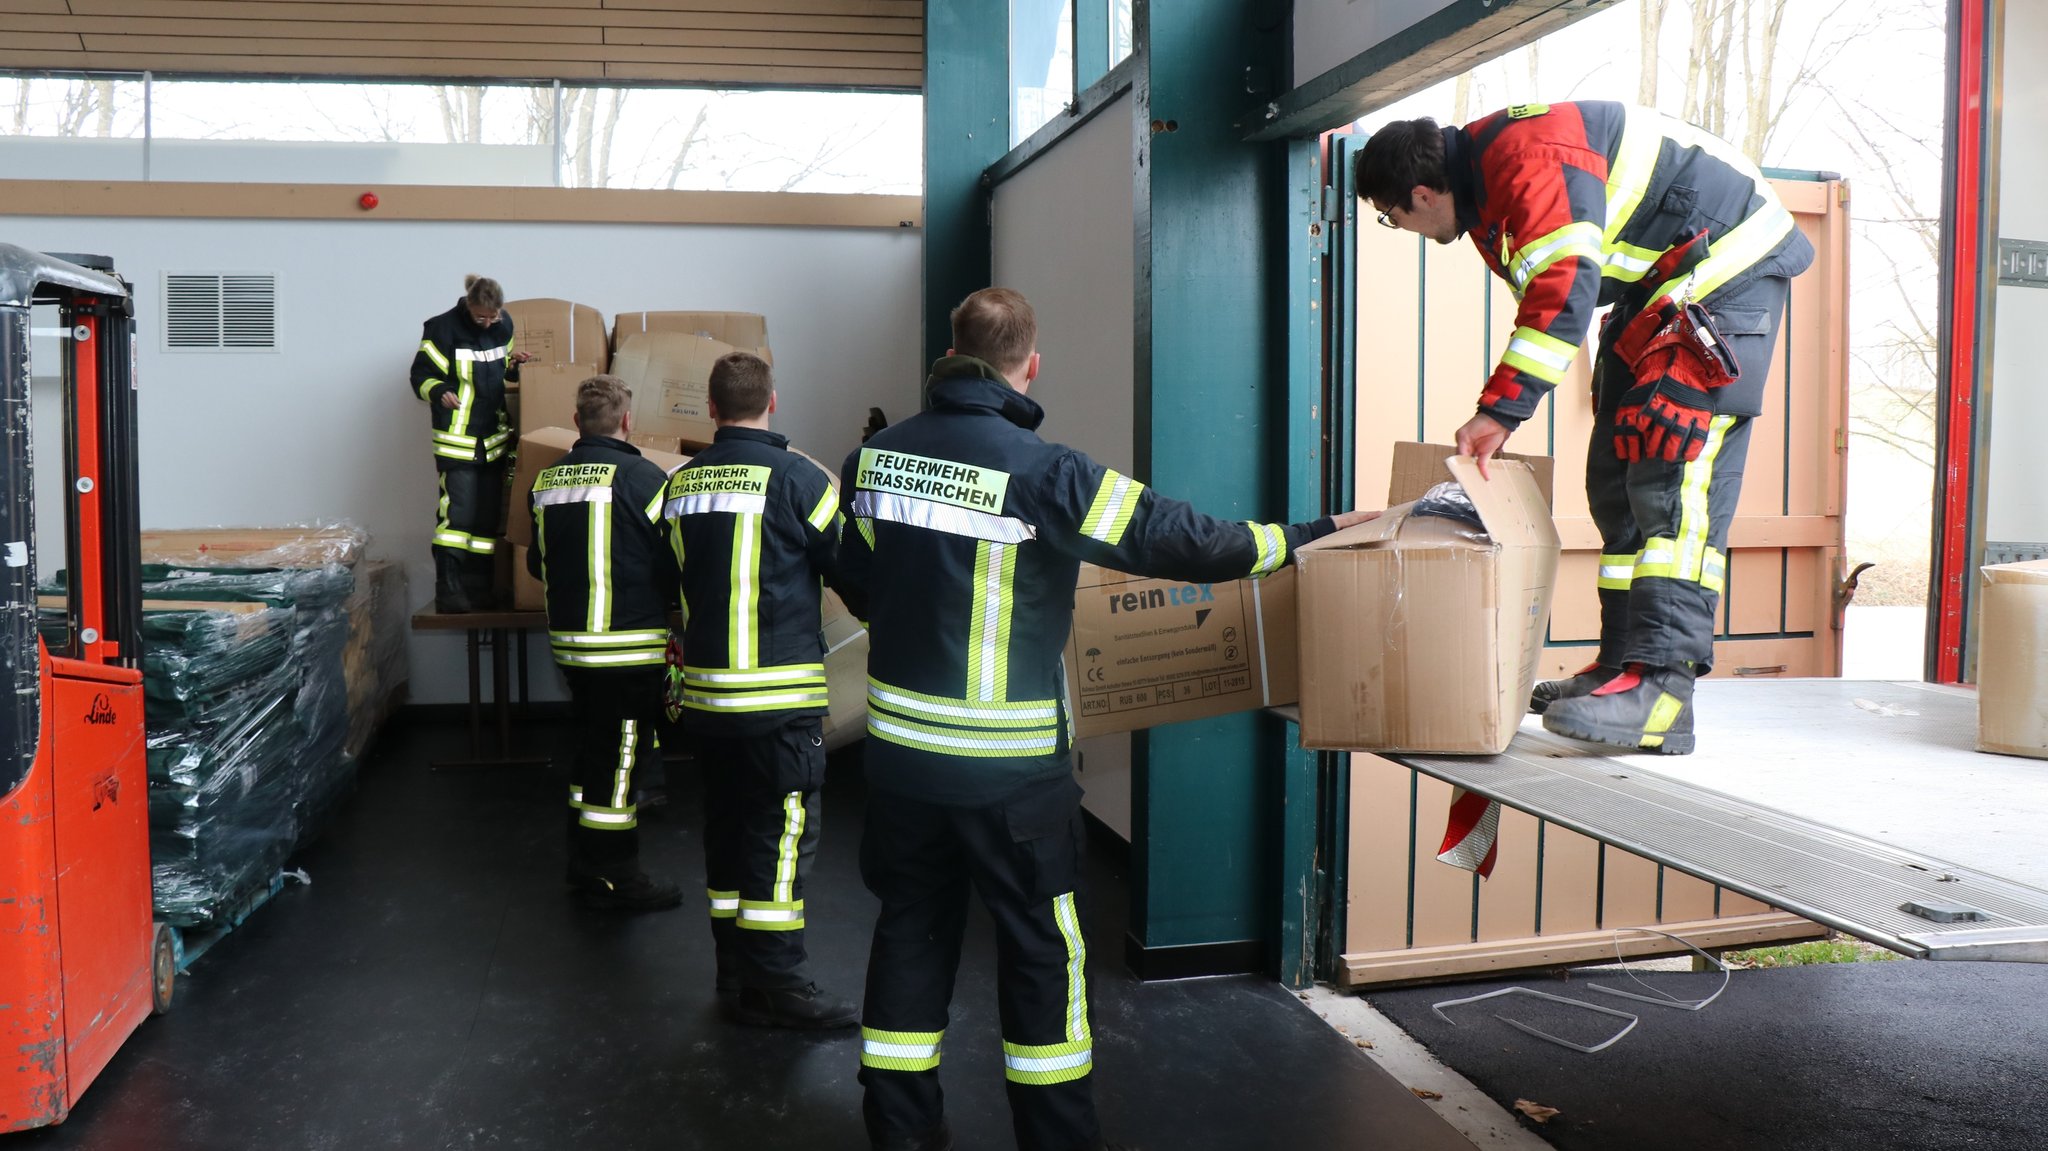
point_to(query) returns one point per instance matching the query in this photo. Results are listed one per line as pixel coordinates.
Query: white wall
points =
(300, 162)
(2016, 510)
(1329, 32)
(327, 428)
(1066, 236)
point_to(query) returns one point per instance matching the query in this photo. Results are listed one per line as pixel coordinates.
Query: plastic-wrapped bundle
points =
(191, 658)
(310, 546)
(223, 800)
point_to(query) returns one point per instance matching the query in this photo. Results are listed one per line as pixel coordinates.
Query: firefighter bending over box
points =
(1591, 203)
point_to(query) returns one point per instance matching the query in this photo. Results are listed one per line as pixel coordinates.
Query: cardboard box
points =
(527, 593)
(547, 395)
(541, 448)
(670, 374)
(846, 673)
(559, 332)
(1417, 632)
(2012, 660)
(745, 331)
(1145, 652)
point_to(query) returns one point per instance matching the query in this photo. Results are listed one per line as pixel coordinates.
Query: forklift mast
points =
(81, 963)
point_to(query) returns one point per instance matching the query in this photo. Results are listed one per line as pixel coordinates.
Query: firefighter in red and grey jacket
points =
(965, 537)
(465, 357)
(1594, 203)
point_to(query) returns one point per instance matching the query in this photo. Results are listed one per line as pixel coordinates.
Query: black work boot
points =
(627, 891)
(803, 1008)
(451, 591)
(1581, 683)
(1642, 709)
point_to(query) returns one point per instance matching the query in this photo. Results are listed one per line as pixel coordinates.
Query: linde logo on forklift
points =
(1122, 602)
(101, 711)
(942, 481)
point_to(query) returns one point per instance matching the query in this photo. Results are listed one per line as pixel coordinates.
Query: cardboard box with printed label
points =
(541, 449)
(744, 331)
(1420, 632)
(559, 332)
(670, 374)
(547, 395)
(1145, 652)
(2012, 660)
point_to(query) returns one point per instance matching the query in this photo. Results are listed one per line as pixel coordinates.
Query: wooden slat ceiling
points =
(780, 43)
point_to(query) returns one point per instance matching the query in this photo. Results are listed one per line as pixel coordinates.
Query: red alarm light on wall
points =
(367, 201)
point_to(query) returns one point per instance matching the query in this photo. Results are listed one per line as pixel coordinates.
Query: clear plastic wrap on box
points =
(302, 546)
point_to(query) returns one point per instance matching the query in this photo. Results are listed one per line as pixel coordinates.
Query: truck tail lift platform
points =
(81, 963)
(1786, 800)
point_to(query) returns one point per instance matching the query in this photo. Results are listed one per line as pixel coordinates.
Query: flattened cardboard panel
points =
(1735, 903)
(1809, 575)
(1419, 467)
(1756, 591)
(1631, 895)
(1376, 911)
(1443, 894)
(1685, 898)
(1575, 604)
(1571, 882)
(1507, 900)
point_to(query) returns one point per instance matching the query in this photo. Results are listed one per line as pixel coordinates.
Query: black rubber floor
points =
(1862, 1057)
(434, 988)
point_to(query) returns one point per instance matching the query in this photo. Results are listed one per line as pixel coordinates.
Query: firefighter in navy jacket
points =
(1594, 203)
(599, 554)
(465, 357)
(754, 527)
(964, 537)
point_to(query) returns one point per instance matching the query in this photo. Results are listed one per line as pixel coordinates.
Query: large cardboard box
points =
(670, 374)
(2012, 660)
(1145, 652)
(559, 332)
(846, 673)
(1419, 633)
(541, 448)
(547, 395)
(527, 593)
(745, 331)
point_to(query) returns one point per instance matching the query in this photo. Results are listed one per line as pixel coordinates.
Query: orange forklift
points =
(81, 961)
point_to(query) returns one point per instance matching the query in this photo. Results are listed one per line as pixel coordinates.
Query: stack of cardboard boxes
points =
(1405, 633)
(666, 358)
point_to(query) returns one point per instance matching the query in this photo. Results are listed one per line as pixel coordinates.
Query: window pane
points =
(58, 128)
(340, 133)
(690, 138)
(1119, 31)
(1041, 63)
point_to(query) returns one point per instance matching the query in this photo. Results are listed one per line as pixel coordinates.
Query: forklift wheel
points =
(163, 969)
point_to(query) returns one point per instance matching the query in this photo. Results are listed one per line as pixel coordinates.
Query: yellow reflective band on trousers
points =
(1068, 917)
(1042, 1065)
(1663, 714)
(724, 904)
(1109, 514)
(771, 915)
(621, 814)
(900, 1050)
(988, 633)
(1616, 571)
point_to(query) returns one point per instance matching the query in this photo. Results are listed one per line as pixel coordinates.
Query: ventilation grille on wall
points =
(220, 311)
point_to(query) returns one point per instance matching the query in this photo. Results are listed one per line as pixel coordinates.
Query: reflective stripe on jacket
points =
(964, 538)
(1571, 204)
(598, 550)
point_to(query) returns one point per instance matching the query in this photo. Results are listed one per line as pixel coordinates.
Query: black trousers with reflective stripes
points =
(1023, 855)
(1664, 525)
(616, 710)
(468, 518)
(761, 828)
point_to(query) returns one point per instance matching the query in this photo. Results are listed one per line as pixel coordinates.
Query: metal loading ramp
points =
(1843, 801)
